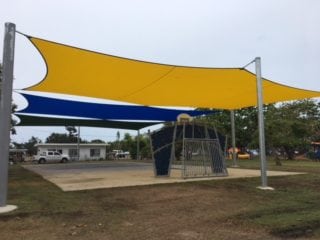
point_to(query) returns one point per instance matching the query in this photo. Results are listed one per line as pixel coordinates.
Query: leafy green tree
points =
(30, 145)
(61, 138)
(71, 137)
(129, 144)
(97, 141)
(220, 120)
(112, 146)
(245, 122)
(144, 146)
(289, 127)
(118, 140)
(71, 130)
(292, 126)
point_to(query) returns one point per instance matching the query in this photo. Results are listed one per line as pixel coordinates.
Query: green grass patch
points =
(291, 211)
(287, 165)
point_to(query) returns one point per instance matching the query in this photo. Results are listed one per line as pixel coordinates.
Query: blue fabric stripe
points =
(52, 106)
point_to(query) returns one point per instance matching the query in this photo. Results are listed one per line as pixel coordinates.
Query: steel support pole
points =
(5, 108)
(233, 139)
(263, 162)
(138, 145)
(183, 149)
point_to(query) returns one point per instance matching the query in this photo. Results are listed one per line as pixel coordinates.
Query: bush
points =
(311, 155)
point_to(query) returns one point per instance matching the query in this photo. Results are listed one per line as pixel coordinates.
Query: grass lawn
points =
(225, 209)
(287, 165)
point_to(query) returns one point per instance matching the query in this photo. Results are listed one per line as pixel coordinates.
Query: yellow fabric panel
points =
(80, 72)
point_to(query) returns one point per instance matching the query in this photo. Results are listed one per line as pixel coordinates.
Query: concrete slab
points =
(83, 176)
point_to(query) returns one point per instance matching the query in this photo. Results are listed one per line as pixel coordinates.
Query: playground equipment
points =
(193, 148)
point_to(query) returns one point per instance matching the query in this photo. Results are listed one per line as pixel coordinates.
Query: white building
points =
(88, 151)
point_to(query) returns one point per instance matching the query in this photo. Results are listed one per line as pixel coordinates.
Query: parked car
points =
(120, 154)
(244, 155)
(254, 152)
(51, 156)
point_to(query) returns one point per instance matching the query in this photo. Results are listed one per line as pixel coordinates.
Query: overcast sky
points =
(226, 33)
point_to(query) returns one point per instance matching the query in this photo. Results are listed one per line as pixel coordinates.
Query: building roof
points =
(73, 144)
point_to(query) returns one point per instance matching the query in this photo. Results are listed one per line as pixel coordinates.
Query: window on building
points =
(73, 152)
(55, 150)
(95, 152)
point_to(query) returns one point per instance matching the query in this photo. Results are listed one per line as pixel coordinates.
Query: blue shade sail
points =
(53, 106)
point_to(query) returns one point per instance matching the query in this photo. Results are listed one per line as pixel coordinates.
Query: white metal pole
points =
(183, 150)
(233, 139)
(5, 108)
(263, 162)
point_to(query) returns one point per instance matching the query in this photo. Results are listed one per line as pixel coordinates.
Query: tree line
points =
(290, 127)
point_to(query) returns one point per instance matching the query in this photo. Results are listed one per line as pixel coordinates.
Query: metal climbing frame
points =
(202, 157)
(192, 148)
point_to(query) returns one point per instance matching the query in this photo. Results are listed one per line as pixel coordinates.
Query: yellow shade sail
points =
(76, 71)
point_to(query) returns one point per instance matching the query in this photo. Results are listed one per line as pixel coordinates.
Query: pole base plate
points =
(265, 188)
(7, 208)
